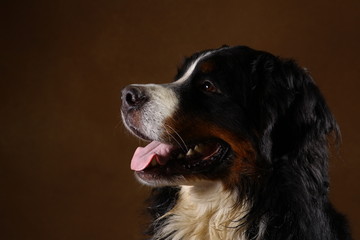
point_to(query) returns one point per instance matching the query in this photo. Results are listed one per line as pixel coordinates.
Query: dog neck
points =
(204, 211)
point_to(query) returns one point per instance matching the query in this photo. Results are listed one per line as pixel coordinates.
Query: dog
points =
(238, 149)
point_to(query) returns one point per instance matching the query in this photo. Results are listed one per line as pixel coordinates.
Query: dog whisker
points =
(182, 144)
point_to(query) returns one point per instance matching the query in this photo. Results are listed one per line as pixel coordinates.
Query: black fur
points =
(278, 108)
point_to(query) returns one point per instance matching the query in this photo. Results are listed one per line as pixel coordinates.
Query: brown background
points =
(64, 155)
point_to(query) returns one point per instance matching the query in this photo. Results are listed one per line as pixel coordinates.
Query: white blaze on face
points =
(192, 67)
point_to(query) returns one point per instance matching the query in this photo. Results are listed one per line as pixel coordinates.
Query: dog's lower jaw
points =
(205, 211)
(160, 182)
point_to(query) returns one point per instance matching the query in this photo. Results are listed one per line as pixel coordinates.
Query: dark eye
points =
(208, 86)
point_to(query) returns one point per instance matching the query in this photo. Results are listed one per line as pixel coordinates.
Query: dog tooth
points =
(180, 156)
(190, 152)
(199, 148)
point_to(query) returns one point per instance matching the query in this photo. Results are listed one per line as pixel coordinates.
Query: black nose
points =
(133, 97)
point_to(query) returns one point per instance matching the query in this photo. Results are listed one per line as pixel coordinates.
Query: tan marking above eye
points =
(207, 67)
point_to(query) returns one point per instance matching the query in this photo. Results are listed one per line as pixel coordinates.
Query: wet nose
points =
(133, 97)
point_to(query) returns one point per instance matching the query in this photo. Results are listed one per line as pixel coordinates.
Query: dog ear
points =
(290, 113)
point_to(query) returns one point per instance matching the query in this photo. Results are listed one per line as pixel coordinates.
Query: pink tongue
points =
(144, 155)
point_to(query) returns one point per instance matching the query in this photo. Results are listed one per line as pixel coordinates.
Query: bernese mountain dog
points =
(238, 148)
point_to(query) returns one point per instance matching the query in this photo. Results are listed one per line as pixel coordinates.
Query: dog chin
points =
(161, 182)
(170, 182)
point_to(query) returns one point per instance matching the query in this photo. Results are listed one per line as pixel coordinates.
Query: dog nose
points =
(133, 97)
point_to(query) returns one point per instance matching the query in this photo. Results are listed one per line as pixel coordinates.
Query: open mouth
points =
(161, 159)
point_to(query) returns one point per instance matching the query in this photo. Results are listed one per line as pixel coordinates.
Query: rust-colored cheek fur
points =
(243, 162)
(243, 157)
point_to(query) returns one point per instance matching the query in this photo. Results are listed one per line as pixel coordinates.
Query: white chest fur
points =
(204, 212)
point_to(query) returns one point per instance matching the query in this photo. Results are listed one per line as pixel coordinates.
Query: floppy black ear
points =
(291, 116)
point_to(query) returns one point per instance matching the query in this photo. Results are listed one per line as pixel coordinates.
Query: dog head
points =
(231, 113)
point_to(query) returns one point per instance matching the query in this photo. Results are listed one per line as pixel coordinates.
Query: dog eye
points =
(208, 86)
